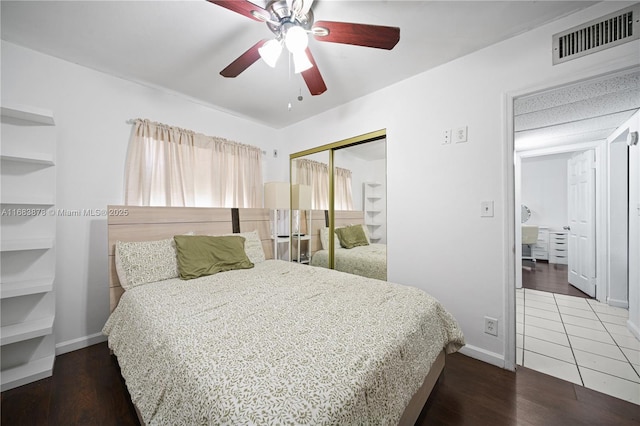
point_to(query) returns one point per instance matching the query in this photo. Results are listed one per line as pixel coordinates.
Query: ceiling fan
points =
(291, 21)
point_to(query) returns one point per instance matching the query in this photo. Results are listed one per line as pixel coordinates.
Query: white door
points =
(581, 209)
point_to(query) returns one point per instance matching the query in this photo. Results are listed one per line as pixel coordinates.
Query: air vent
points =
(599, 34)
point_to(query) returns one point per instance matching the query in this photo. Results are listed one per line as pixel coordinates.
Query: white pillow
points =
(142, 262)
(324, 239)
(252, 246)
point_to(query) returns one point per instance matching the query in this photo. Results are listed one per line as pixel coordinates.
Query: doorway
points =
(581, 340)
(561, 211)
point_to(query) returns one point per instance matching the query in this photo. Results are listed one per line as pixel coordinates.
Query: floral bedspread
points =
(367, 261)
(281, 343)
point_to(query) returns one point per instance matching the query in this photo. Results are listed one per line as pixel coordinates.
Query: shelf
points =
(24, 288)
(281, 239)
(373, 197)
(373, 184)
(31, 158)
(26, 330)
(373, 224)
(27, 244)
(286, 239)
(27, 373)
(26, 113)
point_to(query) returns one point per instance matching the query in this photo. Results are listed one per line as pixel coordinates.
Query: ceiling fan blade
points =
(244, 8)
(313, 78)
(377, 36)
(306, 6)
(244, 61)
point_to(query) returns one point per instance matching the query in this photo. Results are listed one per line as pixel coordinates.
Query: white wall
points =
(544, 189)
(91, 112)
(618, 224)
(436, 238)
(634, 231)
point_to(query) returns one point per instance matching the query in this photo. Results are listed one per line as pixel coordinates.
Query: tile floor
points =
(579, 340)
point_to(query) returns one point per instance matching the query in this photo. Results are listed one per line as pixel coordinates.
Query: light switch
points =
(486, 208)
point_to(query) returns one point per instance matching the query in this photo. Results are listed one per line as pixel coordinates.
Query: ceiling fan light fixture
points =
(270, 52)
(296, 39)
(301, 62)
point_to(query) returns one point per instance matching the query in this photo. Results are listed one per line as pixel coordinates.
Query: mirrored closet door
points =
(347, 180)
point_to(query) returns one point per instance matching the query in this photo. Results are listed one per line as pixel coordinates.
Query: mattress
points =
(278, 343)
(367, 261)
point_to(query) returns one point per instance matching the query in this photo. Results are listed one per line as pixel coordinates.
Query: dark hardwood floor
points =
(87, 389)
(550, 277)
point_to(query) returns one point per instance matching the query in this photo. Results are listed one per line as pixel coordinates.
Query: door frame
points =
(512, 215)
(600, 148)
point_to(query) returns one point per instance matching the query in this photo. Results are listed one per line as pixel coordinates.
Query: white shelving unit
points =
(27, 247)
(278, 241)
(373, 204)
(301, 241)
(558, 247)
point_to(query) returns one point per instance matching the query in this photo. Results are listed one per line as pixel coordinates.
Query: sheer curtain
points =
(316, 175)
(343, 192)
(169, 166)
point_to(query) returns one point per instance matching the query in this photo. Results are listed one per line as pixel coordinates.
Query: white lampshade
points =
(301, 62)
(270, 52)
(277, 195)
(300, 197)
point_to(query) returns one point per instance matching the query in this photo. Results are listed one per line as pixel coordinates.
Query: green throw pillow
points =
(352, 236)
(200, 255)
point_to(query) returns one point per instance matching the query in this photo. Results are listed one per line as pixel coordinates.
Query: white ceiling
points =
(586, 111)
(182, 45)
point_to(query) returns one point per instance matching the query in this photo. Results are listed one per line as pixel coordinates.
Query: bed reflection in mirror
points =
(358, 189)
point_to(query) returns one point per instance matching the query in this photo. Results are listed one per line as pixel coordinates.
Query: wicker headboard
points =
(135, 223)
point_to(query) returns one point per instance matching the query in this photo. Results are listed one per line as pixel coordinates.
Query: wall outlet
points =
(461, 134)
(491, 326)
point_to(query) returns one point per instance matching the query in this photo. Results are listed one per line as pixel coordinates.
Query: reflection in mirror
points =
(347, 180)
(311, 171)
(360, 209)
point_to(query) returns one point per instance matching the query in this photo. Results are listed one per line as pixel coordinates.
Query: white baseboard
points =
(634, 329)
(483, 355)
(618, 303)
(79, 343)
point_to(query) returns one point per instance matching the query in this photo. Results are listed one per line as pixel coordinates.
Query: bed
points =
(278, 342)
(368, 260)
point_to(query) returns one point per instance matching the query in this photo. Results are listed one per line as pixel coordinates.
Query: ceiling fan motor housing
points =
(281, 13)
